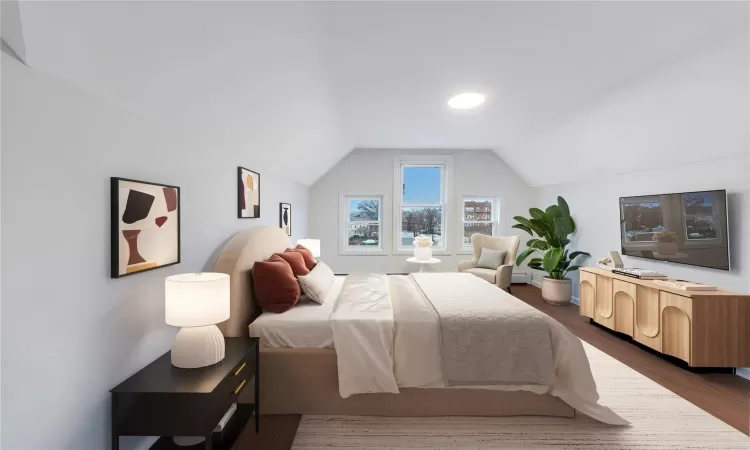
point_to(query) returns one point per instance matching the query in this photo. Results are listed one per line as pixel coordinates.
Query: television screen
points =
(685, 228)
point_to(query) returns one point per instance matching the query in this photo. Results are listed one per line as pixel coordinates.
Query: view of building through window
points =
(642, 220)
(700, 218)
(421, 211)
(363, 222)
(422, 203)
(478, 217)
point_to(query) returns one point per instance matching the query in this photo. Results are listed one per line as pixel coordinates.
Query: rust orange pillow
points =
(276, 288)
(295, 260)
(307, 255)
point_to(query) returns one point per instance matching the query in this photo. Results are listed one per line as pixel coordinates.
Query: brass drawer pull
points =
(237, 372)
(239, 388)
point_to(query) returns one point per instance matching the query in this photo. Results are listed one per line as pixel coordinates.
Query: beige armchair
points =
(502, 276)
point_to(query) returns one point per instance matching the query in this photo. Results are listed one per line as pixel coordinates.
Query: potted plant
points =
(666, 242)
(422, 247)
(552, 228)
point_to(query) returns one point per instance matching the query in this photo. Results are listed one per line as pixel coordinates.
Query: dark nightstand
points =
(163, 400)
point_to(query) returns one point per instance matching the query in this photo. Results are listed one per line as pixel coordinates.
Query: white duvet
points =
(387, 335)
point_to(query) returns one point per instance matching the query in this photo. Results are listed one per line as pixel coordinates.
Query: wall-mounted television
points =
(685, 228)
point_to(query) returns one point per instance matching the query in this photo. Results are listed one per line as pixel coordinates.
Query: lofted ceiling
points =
(298, 85)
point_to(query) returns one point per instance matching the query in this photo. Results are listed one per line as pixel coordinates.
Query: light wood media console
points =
(702, 328)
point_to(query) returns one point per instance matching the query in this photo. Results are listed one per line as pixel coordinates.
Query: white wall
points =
(690, 108)
(595, 207)
(683, 126)
(69, 332)
(478, 172)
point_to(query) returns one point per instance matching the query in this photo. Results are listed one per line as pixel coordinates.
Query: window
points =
(362, 223)
(479, 223)
(642, 219)
(421, 200)
(700, 217)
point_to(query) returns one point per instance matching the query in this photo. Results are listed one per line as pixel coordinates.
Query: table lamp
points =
(197, 302)
(311, 244)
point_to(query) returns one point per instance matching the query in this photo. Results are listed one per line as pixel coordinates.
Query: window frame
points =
(666, 221)
(344, 222)
(446, 164)
(494, 219)
(685, 216)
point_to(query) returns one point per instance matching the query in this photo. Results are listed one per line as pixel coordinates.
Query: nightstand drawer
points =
(163, 400)
(238, 379)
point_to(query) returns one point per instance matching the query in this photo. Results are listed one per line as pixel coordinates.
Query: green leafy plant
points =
(550, 230)
(665, 236)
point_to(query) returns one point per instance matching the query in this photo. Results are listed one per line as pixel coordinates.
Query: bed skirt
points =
(305, 381)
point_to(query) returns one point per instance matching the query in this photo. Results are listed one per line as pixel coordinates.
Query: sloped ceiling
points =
(301, 84)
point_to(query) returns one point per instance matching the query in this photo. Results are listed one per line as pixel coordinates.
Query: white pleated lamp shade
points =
(196, 299)
(311, 244)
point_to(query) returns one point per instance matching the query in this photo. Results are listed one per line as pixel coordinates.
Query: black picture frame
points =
(282, 208)
(114, 185)
(241, 193)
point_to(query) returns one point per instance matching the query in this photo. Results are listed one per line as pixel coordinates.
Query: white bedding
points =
(400, 315)
(363, 330)
(307, 325)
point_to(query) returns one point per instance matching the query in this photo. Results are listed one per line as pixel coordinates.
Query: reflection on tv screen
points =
(687, 228)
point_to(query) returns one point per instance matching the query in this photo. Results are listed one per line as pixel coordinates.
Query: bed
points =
(302, 371)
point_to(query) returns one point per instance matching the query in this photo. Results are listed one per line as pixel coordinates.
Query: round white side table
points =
(423, 262)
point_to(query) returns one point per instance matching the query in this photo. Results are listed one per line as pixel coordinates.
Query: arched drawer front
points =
(676, 323)
(604, 299)
(676, 337)
(647, 311)
(624, 306)
(587, 294)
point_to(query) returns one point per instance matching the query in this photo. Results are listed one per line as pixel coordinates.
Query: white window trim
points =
(446, 196)
(644, 245)
(718, 214)
(344, 248)
(498, 205)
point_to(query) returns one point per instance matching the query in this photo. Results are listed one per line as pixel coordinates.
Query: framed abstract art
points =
(145, 230)
(248, 195)
(285, 217)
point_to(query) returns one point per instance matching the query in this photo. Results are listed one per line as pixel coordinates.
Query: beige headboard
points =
(237, 259)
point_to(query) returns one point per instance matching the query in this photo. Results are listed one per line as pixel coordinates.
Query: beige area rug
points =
(660, 420)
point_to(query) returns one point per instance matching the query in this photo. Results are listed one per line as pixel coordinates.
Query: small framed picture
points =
(285, 218)
(145, 228)
(248, 195)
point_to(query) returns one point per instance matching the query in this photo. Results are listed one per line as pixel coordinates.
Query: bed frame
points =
(305, 381)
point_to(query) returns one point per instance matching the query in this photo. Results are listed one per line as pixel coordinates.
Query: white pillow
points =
(491, 259)
(317, 283)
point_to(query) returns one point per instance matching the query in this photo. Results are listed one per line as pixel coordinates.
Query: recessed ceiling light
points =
(466, 100)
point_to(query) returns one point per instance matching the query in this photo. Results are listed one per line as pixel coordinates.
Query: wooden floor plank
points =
(276, 433)
(725, 396)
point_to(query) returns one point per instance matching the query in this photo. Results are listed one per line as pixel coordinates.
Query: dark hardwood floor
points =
(276, 433)
(725, 396)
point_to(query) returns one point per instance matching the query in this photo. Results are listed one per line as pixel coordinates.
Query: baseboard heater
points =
(521, 278)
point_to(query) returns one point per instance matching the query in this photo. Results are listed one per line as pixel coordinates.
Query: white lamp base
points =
(196, 347)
